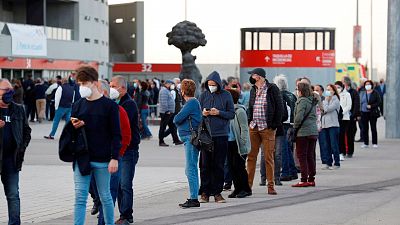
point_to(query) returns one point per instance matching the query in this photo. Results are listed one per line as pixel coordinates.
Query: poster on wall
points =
(28, 40)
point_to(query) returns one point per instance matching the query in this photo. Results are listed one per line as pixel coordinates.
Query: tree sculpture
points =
(187, 36)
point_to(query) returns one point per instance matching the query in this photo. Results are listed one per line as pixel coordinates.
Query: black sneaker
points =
(178, 143)
(243, 194)
(263, 182)
(162, 144)
(49, 137)
(233, 194)
(190, 203)
(294, 177)
(227, 187)
(278, 183)
(94, 210)
(286, 178)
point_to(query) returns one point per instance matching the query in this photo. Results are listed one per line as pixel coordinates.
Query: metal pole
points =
(392, 110)
(372, 56)
(185, 9)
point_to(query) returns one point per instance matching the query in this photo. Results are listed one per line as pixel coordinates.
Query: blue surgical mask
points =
(327, 93)
(8, 96)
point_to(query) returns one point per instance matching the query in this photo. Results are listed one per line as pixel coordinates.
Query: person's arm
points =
(376, 103)
(125, 130)
(115, 131)
(279, 103)
(331, 106)
(229, 113)
(26, 138)
(244, 127)
(299, 114)
(51, 88)
(346, 107)
(357, 104)
(57, 97)
(183, 114)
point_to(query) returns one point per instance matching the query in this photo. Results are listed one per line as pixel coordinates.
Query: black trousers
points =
(366, 120)
(167, 120)
(237, 166)
(212, 167)
(351, 132)
(30, 109)
(344, 125)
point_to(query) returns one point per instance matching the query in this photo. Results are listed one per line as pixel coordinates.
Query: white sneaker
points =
(336, 167)
(375, 146)
(326, 167)
(341, 157)
(364, 146)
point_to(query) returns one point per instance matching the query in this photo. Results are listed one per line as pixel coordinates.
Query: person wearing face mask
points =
(111, 93)
(15, 135)
(99, 116)
(345, 103)
(167, 110)
(355, 115)
(63, 100)
(131, 156)
(265, 116)
(330, 127)
(218, 109)
(370, 103)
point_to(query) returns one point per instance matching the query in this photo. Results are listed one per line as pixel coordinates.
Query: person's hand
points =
(359, 118)
(77, 123)
(113, 166)
(205, 112)
(214, 112)
(368, 106)
(2, 123)
(168, 112)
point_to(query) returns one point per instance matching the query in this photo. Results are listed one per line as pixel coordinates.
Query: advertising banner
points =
(28, 40)
(357, 42)
(287, 58)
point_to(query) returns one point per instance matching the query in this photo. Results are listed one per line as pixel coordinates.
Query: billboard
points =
(27, 40)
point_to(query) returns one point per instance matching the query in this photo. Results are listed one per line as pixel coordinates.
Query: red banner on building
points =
(146, 68)
(42, 64)
(287, 58)
(357, 42)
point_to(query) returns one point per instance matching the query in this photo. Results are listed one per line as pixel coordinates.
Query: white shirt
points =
(345, 103)
(57, 97)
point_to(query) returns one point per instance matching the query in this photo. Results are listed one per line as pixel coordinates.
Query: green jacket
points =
(241, 130)
(309, 127)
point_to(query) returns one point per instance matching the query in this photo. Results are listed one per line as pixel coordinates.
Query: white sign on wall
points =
(28, 40)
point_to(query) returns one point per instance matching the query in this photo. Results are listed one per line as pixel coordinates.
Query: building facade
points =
(46, 38)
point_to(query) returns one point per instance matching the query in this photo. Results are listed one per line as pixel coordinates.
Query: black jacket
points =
(274, 105)
(355, 104)
(21, 133)
(374, 100)
(132, 110)
(285, 116)
(291, 100)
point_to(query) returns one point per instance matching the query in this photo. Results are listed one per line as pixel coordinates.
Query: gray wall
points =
(321, 76)
(121, 42)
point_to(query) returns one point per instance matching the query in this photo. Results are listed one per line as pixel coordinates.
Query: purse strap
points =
(190, 123)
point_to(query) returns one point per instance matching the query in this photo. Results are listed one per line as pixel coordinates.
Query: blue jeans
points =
(144, 113)
(82, 183)
(60, 113)
(288, 165)
(125, 191)
(322, 147)
(10, 179)
(114, 184)
(191, 167)
(331, 137)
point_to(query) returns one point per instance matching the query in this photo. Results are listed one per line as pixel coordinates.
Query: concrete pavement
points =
(365, 190)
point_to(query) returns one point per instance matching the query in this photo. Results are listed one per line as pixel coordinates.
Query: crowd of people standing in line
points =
(110, 119)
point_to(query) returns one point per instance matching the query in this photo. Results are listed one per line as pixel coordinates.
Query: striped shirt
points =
(260, 109)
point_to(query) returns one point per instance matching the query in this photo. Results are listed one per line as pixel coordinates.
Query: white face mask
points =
(114, 94)
(368, 87)
(172, 87)
(213, 88)
(85, 92)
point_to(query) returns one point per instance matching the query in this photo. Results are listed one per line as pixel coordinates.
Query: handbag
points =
(203, 140)
(193, 133)
(292, 133)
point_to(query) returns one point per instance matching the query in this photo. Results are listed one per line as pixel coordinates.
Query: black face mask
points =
(252, 80)
(8, 97)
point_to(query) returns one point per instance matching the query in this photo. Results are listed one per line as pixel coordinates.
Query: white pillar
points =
(392, 106)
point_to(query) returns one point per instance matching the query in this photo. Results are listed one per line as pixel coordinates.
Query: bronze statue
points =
(187, 36)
